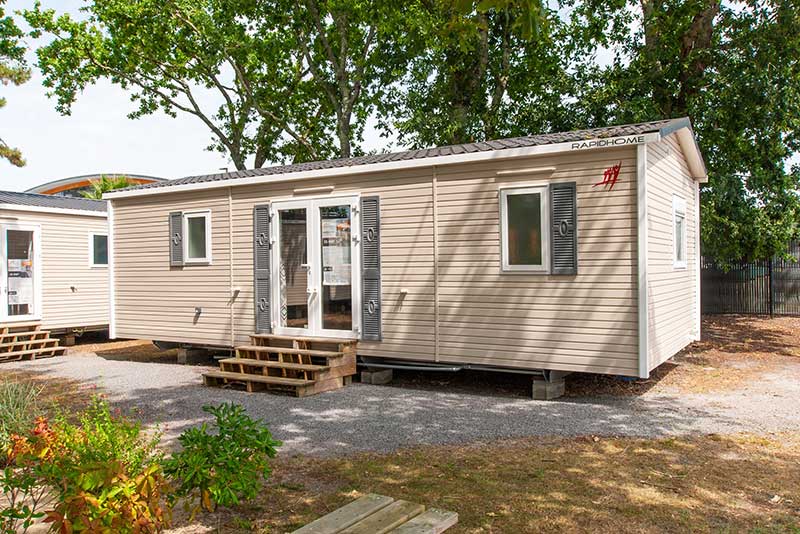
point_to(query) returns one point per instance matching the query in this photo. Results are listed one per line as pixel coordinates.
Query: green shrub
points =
(225, 467)
(18, 409)
(103, 474)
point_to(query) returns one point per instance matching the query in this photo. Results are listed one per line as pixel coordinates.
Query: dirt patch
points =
(732, 351)
(708, 484)
(135, 350)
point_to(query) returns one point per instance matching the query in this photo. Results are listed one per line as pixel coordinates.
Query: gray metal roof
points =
(662, 126)
(52, 201)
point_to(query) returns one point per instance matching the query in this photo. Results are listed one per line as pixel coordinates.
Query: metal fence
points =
(766, 287)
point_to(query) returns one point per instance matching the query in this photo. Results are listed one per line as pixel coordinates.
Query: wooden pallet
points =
(27, 341)
(300, 366)
(378, 514)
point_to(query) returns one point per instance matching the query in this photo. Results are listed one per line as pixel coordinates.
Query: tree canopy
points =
(278, 81)
(12, 70)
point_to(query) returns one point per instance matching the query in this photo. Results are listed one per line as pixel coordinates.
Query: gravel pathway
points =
(384, 418)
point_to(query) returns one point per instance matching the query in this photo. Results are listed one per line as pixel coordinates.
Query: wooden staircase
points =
(27, 341)
(301, 366)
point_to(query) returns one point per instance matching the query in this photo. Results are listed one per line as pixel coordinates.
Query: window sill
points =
(99, 266)
(679, 266)
(197, 262)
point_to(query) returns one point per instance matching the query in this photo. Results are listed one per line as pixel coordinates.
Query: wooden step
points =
(287, 350)
(45, 352)
(305, 339)
(274, 364)
(45, 341)
(31, 324)
(253, 382)
(30, 333)
(246, 377)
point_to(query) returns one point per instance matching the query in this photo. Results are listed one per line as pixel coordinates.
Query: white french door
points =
(315, 267)
(20, 272)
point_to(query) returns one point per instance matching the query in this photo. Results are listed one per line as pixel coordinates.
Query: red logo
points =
(610, 176)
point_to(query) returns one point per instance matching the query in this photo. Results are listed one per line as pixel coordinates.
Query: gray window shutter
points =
(176, 239)
(261, 268)
(564, 228)
(371, 268)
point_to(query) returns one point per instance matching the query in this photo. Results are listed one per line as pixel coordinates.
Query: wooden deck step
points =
(286, 350)
(304, 339)
(26, 333)
(261, 379)
(44, 341)
(45, 352)
(274, 364)
(31, 324)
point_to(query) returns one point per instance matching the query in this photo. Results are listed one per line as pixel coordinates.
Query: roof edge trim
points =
(62, 211)
(453, 159)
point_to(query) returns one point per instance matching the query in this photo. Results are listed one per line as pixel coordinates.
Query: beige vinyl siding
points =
(406, 255)
(586, 322)
(672, 292)
(156, 301)
(65, 264)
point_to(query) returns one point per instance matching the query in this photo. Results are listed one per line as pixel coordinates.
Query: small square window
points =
(679, 232)
(524, 235)
(197, 237)
(98, 250)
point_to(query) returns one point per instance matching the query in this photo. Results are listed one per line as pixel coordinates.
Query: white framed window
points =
(678, 232)
(197, 236)
(524, 229)
(98, 249)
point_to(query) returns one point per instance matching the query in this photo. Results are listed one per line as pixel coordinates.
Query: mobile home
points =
(548, 254)
(54, 265)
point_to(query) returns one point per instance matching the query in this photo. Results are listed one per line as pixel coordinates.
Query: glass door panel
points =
(19, 273)
(293, 268)
(336, 264)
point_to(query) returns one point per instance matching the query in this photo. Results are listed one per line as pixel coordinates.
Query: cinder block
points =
(69, 340)
(548, 389)
(376, 377)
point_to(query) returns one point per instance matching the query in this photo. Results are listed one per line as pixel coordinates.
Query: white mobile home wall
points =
(74, 294)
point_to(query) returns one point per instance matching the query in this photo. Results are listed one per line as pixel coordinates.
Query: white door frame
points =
(37, 271)
(314, 271)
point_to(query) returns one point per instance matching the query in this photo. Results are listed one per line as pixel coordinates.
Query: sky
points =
(98, 137)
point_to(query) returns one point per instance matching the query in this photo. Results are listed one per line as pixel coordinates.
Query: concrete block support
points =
(69, 340)
(376, 376)
(548, 389)
(192, 355)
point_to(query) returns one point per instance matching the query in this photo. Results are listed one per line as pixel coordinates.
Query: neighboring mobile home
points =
(562, 252)
(54, 265)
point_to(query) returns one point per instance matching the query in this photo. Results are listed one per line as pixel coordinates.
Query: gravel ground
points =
(384, 418)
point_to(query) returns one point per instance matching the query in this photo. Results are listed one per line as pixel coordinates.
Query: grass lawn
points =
(704, 484)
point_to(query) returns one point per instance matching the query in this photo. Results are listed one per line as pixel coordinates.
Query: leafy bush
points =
(103, 474)
(226, 467)
(18, 409)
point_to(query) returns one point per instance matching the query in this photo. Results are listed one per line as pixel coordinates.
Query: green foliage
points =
(103, 474)
(225, 467)
(12, 70)
(296, 81)
(18, 409)
(270, 79)
(106, 184)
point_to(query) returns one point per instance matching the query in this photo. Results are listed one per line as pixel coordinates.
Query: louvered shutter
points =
(176, 239)
(564, 228)
(261, 268)
(371, 268)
